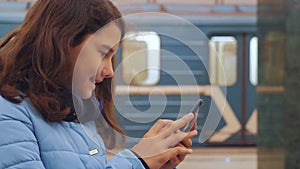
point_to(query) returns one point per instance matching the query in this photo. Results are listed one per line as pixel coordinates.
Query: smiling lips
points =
(94, 81)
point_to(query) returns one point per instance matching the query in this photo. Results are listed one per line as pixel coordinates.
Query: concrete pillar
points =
(279, 68)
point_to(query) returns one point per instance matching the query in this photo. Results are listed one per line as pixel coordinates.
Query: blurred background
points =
(255, 42)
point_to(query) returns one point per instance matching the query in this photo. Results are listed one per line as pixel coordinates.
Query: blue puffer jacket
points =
(29, 142)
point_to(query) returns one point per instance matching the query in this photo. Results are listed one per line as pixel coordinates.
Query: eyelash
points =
(103, 53)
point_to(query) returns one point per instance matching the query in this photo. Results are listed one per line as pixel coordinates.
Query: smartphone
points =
(194, 110)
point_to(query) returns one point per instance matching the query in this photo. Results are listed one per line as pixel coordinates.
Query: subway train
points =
(192, 65)
(173, 55)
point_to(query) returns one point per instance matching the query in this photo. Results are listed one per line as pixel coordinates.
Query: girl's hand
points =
(187, 143)
(160, 144)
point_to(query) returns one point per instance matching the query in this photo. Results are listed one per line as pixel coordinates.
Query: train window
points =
(223, 60)
(253, 60)
(274, 45)
(141, 58)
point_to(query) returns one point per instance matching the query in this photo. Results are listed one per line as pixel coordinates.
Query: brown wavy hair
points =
(35, 58)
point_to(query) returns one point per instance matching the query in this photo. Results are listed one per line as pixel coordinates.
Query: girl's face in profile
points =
(94, 59)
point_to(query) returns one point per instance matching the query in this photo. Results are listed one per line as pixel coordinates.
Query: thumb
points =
(156, 162)
(176, 151)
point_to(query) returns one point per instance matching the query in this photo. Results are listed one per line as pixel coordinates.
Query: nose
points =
(107, 72)
(106, 69)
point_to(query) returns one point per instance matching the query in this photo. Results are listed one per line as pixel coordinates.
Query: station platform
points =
(233, 158)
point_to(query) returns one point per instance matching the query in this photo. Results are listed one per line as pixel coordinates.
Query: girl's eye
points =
(103, 53)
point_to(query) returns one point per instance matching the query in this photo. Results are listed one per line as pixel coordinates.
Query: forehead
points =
(109, 35)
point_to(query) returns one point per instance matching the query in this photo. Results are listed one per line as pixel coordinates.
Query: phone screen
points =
(194, 110)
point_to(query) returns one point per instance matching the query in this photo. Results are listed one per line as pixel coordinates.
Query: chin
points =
(86, 95)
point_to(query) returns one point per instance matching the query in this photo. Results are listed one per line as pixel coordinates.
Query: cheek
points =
(89, 63)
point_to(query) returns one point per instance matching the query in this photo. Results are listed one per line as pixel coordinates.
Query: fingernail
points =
(190, 151)
(190, 114)
(194, 132)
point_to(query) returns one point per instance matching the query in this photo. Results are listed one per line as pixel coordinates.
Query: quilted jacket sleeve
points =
(18, 144)
(125, 159)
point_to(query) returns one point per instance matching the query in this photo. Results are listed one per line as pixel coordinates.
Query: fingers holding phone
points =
(192, 125)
